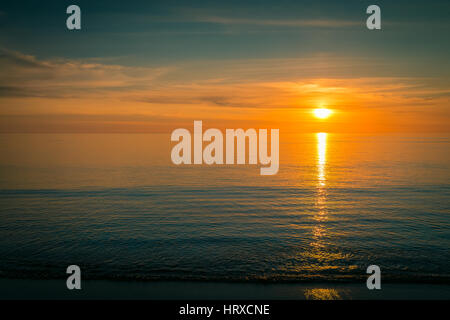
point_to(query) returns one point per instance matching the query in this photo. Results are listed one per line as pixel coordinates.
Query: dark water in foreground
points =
(117, 207)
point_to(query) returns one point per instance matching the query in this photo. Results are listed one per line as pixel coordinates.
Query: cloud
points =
(258, 83)
(320, 23)
(8, 57)
(26, 76)
(91, 95)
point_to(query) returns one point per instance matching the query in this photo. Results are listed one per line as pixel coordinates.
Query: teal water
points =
(118, 208)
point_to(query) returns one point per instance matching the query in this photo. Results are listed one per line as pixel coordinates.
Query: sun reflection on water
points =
(321, 253)
(322, 294)
(319, 233)
(321, 174)
(321, 157)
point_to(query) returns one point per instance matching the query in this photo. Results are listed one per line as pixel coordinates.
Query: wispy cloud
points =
(270, 83)
(94, 93)
(322, 23)
(26, 76)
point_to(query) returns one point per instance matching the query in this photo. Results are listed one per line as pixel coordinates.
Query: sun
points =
(322, 113)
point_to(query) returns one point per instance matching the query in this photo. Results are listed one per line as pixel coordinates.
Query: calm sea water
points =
(115, 205)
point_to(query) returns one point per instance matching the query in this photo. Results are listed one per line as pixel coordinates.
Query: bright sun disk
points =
(322, 113)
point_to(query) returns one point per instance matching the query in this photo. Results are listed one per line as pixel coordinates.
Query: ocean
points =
(115, 205)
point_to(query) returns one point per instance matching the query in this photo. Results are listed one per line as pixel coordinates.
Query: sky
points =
(153, 66)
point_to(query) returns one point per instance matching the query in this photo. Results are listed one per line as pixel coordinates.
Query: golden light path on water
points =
(319, 232)
(321, 173)
(321, 157)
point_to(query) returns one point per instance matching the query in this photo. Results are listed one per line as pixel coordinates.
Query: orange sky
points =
(81, 96)
(158, 66)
